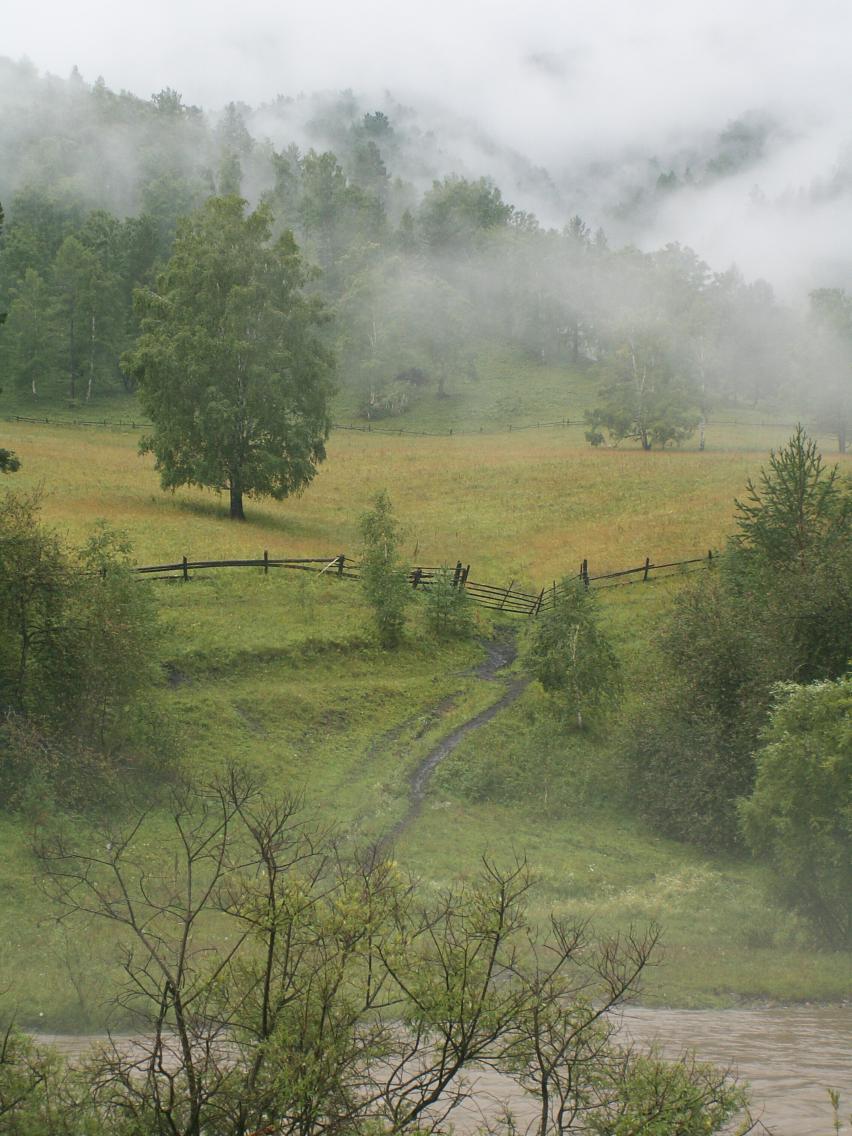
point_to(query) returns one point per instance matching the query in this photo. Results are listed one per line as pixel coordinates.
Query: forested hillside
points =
(426, 266)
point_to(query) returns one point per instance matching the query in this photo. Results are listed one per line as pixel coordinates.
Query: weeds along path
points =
(500, 653)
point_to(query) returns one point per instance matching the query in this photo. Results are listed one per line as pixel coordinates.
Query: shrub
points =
(568, 653)
(78, 645)
(449, 612)
(799, 815)
(383, 575)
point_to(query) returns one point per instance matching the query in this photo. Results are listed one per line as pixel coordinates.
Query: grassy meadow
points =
(280, 673)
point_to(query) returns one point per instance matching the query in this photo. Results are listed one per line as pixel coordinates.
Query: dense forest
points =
(422, 267)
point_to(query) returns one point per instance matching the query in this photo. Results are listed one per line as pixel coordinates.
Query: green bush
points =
(448, 609)
(568, 653)
(778, 608)
(78, 646)
(384, 577)
(799, 815)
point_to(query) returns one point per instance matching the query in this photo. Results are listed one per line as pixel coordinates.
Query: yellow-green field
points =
(281, 675)
(527, 505)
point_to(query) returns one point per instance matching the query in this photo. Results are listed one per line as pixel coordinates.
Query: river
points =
(790, 1056)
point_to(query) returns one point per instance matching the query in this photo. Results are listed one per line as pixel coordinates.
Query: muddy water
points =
(789, 1057)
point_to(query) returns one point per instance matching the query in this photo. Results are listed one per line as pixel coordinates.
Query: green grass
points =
(281, 674)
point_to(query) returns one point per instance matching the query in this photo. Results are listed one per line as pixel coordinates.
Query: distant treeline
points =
(418, 280)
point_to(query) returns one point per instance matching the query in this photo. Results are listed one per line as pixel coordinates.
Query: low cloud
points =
(571, 87)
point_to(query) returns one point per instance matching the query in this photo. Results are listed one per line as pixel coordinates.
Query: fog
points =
(593, 93)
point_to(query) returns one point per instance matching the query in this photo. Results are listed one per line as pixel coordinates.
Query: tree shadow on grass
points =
(257, 519)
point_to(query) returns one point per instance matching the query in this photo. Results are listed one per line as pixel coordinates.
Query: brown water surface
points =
(790, 1057)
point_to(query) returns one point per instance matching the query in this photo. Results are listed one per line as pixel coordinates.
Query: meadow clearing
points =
(281, 674)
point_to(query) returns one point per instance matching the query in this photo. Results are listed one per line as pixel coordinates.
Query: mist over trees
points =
(426, 269)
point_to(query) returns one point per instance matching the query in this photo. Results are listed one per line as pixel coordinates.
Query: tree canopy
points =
(778, 610)
(800, 814)
(644, 400)
(229, 364)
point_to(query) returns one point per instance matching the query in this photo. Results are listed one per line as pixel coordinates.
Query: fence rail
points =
(495, 597)
(385, 427)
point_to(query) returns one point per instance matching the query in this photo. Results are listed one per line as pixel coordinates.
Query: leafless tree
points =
(285, 984)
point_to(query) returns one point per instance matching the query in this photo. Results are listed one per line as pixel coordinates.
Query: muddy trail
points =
(499, 655)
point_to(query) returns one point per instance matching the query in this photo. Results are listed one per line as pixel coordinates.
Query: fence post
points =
(710, 555)
(266, 561)
(585, 572)
(341, 561)
(465, 575)
(185, 570)
(506, 595)
(416, 577)
(647, 566)
(457, 574)
(537, 606)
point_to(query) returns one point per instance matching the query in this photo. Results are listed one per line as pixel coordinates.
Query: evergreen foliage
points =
(778, 609)
(798, 510)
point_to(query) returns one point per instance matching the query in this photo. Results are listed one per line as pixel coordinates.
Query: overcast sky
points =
(545, 74)
(550, 78)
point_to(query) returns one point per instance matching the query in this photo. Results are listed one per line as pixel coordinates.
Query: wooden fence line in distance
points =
(495, 597)
(366, 428)
(402, 431)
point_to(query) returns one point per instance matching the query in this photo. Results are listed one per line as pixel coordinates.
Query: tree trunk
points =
(72, 386)
(91, 361)
(237, 513)
(841, 439)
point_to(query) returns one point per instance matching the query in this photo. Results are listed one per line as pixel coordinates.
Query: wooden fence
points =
(384, 426)
(496, 597)
(387, 426)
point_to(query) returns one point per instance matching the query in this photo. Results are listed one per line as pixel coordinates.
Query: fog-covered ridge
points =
(435, 245)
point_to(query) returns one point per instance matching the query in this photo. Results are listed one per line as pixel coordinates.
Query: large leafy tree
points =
(643, 399)
(8, 461)
(229, 364)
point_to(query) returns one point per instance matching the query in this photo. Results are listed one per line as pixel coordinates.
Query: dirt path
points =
(500, 653)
